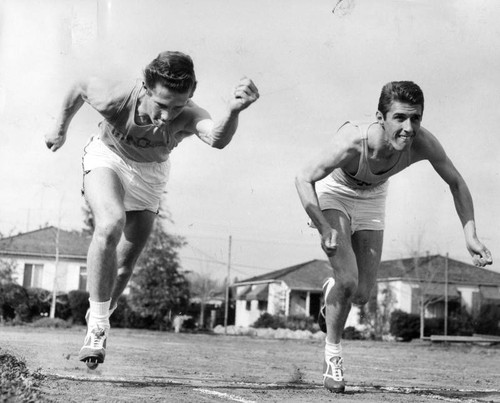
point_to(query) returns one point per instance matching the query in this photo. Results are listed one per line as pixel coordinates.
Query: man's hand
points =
(244, 94)
(481, 256)
(329, 242)
(55, 139)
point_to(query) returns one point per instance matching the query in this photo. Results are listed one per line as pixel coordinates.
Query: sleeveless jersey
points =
(139, 143)
(364, 178)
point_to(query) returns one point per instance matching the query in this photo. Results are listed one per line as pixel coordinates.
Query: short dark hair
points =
(401, 91)
(174, 70)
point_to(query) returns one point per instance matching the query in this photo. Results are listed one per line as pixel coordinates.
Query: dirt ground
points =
(168, 367)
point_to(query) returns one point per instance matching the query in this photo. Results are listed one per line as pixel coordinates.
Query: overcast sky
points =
(314, 68)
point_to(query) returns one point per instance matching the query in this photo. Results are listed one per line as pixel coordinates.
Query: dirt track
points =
(158, 367)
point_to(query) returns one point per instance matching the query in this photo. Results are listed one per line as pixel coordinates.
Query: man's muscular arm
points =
(433, 151)
(219, 135)
(72, 103)
(339, 152)
(104, 96)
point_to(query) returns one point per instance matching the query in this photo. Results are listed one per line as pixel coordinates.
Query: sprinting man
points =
(344, 189)
(126, 167)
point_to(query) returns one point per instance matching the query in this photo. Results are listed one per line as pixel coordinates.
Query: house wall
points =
(277, 298)
(247, 312)
(67, 278)
(467, 294)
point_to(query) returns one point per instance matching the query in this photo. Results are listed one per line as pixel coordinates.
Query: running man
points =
(344, 189)
(126, 167)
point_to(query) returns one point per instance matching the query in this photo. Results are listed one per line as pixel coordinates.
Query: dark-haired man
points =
(343, 190)
(126, 168)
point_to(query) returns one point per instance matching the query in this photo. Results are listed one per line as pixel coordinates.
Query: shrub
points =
(404, 325)
(407, 326)
(53, 323)
(14, 302)
(294, 322)
(78, 303)
(351, 333)
(122, 314)
(39, 301)
(273, 321)
(63, 309)
(488, 320)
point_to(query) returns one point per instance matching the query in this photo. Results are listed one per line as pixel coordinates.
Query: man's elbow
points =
(300, 179)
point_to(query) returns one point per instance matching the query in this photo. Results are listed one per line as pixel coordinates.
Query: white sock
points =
(332, 350)
(99, 314)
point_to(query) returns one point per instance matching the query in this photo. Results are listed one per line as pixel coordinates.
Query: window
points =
(248, 305)
(33, 275)
(262, 305)
(82, 282)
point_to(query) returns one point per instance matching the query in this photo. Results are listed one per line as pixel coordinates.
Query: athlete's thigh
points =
(138, 227)
(367, 246)
(104, 192)
(344, 261)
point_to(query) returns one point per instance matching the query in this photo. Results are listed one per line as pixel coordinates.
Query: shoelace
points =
(99, 336)
(337, 370)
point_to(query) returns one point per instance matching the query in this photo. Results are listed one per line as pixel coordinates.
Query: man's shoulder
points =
(109, 95)
(111, 87)
(353, 131)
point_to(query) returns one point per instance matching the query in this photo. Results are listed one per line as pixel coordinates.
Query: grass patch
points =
(17, 383)
(52, 323)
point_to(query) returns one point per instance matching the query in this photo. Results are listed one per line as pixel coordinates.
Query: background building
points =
(297, 290)
(48, 258)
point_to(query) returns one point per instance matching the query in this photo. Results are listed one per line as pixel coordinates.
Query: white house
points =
(297, 290)
(48, 258)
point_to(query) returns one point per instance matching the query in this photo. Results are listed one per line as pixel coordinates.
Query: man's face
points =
(165, 105)
(401, 124)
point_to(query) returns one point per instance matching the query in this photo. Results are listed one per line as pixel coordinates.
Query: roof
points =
(306, 276)
(42, 243)
(311, 275)
(259, 292)
(432, 269)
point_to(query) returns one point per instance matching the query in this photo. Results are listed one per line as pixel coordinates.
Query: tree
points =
(204, 287)
(88, 219)
(7, 271)
(158, 287)
(376, 314)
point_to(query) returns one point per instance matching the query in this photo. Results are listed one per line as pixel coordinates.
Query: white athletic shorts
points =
(143, 182)
(365, 208)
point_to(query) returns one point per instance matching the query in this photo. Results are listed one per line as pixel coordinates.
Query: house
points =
(294, 290)
(297, 290)
(48, 258)
(431, 278)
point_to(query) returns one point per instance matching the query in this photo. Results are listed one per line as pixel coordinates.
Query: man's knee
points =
(345, 288)
(108, 231)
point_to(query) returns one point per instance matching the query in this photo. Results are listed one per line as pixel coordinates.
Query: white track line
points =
(224, 396)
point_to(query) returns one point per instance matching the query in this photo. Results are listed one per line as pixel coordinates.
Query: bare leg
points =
(104, 193)
(135, 235)
(367, 246)
(345, 270)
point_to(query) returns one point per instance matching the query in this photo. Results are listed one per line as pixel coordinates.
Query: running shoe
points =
(94, 347)
(327, 286)
(333, 375)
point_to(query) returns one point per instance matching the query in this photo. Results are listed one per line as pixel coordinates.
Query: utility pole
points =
(446, 296)
(54, 291)
(226, 310)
